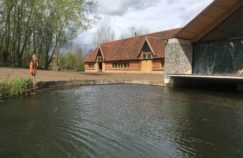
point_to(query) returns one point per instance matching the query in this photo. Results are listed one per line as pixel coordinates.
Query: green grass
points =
(14, 88)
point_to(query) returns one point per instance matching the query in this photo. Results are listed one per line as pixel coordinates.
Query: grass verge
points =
(14, 88)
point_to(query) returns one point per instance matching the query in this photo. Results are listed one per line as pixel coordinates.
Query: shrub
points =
(17, 87)
(71, 61)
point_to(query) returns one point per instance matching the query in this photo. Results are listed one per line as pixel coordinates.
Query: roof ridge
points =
(103, 45)
(153, 37)
(129, 48)
(148, 34)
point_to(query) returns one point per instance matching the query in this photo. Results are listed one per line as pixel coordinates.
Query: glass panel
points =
(148, 56)
(220, 57)
(144, 55)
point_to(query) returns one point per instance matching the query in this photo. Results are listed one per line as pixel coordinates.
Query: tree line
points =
(41, 27)
(105, 33)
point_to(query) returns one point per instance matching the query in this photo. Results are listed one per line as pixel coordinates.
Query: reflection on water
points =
(123, 121)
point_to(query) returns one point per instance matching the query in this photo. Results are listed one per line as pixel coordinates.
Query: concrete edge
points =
(52, 85)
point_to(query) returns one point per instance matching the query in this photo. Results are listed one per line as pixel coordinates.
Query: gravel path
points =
(42, 75)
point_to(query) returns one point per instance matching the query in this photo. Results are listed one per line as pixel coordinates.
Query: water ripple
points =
(117, 121)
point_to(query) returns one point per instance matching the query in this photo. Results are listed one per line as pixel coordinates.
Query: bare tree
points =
(104, 34)
(133, 31)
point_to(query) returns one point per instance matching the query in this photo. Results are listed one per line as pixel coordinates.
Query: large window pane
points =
(221, 57)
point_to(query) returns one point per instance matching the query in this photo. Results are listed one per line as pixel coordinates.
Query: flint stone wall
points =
(178, 58)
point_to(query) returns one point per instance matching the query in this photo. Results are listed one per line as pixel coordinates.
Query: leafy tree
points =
(40, 26)
(70, 61)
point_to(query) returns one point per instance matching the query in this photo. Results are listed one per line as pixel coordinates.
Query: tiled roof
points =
(157, 45)
(91, 57)
(129, 49)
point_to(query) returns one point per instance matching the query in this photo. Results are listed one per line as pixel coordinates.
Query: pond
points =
(122, 121)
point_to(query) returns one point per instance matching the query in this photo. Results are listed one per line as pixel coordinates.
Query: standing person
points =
(33, 66)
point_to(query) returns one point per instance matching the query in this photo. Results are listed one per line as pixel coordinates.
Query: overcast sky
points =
(154, 15)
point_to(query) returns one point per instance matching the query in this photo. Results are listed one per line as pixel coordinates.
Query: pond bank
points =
(46, 80)
(15, 87)
(53, 85)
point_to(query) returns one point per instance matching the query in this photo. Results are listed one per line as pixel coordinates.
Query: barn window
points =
(144, 55)
(147, 55)
(120, 65)
(91, 66)
(146, 52)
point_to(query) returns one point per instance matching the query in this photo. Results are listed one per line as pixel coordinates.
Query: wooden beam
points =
(218, 21)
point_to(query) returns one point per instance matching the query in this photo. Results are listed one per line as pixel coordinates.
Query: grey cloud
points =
(193, 10)
(169, 2)
(120, 7)
(156, 15)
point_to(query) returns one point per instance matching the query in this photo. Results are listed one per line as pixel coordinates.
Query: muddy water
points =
(122, 121)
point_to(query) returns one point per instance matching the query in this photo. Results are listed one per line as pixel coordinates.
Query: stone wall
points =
(178, 58)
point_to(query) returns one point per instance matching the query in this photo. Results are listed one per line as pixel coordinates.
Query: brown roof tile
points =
(129, 49)
(91, 57)
(157, 45)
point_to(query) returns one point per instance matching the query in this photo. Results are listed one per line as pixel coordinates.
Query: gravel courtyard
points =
(43, 75)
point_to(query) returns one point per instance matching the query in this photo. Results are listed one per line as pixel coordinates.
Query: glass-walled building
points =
(210, 46)
(221, 50)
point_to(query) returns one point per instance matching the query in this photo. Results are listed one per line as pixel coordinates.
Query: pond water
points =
(122, 121)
